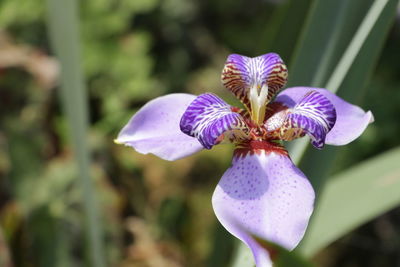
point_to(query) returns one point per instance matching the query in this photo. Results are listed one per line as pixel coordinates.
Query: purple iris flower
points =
(263, 192)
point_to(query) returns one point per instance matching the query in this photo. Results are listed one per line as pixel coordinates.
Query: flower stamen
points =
(258, 96)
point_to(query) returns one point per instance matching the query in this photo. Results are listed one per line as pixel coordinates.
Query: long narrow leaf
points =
(341, 209)
(314, 73)
(63, 30)
(316, 163)
(352, 51)
(358, 75)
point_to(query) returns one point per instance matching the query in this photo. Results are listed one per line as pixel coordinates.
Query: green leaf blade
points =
(64, 36)
(354, 197)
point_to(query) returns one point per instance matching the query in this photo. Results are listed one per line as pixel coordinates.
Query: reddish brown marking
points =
(258, 147)
(245, 115)
(272, 249)
(273, 108)
(236, 109)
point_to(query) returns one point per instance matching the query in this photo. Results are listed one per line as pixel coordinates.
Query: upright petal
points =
(266, 72)
(351, 120)
(155, 128)
(208, 117)
(265, 194)
(314, 115)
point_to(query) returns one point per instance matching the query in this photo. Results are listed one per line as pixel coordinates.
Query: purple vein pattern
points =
(208, 117)
(240, 73)
(314, 114)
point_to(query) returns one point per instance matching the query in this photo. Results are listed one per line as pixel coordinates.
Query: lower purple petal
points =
(155, 128)
(267, 195)
(351, 120)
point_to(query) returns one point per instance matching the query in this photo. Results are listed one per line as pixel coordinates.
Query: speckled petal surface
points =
(351, 120)
(208, 117)
(265, 194)
(155, 128)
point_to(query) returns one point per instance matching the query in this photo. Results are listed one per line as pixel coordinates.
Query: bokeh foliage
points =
(156, 213)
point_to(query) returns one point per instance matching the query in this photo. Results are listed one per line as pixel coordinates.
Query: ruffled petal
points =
(155, 128)
(264, 193)
(314, 115)
(208, 117)
(266, 72)
(351, 120)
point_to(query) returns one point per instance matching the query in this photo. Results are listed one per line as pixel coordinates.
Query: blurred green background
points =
(152, 212)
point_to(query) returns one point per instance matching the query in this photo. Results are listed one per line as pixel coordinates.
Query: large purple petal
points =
(351, 120)
(155, 128)
(208, 117)
(240, 73)
(265, 194)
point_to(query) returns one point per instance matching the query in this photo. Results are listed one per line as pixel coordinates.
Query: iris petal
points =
(208, 117)
(314, 115)
(267, 195)
(155, 128)
(240, 73)
(351, 120)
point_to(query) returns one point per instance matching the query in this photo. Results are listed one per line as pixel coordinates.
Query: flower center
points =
(258, 147)
(258, 96)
